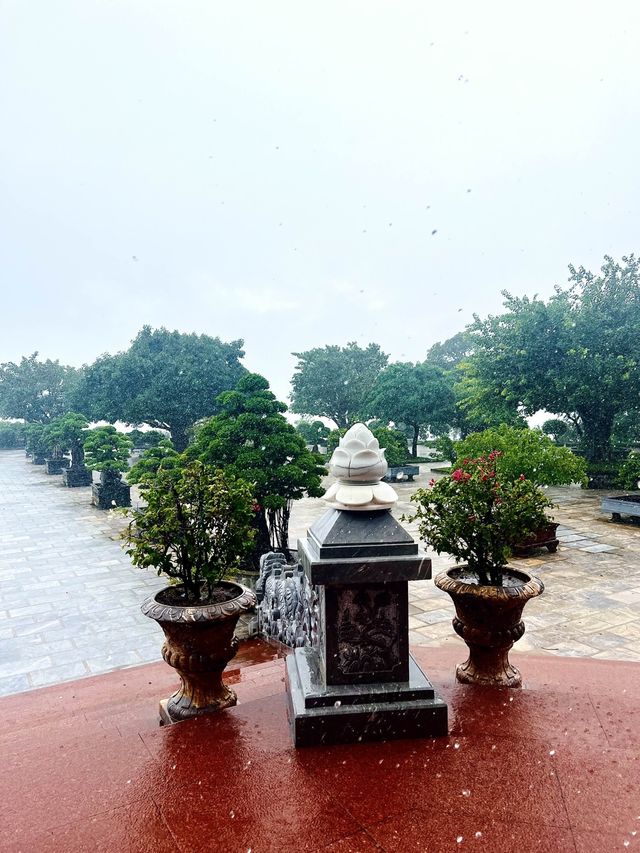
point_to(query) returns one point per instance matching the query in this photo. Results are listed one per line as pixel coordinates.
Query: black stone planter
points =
(110, 492)
(56, 466)
(77, 475)
(38, 458)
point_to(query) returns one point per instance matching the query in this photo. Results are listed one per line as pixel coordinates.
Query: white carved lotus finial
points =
(358, 463)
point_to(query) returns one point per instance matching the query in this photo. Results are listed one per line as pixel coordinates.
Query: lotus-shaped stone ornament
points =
(358, 463)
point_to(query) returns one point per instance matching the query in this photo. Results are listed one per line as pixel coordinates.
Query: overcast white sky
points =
(275, 170)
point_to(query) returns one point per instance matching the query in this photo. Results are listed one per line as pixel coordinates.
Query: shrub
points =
(195, 528)
(525, 451)
(475, 516)
(12, 435)
(629, 472)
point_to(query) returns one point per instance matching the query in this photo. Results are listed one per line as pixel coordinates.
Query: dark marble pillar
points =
(359, 681)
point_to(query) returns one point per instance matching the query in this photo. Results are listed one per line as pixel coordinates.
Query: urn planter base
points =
(488, 618)
(199, 643)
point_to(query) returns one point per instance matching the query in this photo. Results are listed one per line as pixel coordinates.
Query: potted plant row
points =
(475, 516)
(196, 529)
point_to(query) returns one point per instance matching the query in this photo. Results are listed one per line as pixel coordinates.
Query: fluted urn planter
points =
(489, 620)
(199, 643)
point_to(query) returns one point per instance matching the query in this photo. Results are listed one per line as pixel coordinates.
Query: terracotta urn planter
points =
(489, 620)
(199, 643)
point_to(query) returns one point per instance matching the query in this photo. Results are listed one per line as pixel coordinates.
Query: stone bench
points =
(622, 505)
(401, 472)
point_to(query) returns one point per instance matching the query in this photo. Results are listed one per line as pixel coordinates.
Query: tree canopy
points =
(578, 354)
(334, 382)
(416, 395)
(165, 379)
(36, 391)
(250, 438)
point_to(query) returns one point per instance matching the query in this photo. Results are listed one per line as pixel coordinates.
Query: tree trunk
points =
(179, 437)
(77, 454)
(262, 542)
(414, 443)
(597, 429)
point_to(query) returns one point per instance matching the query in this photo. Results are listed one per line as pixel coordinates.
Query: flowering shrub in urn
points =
(474, 515)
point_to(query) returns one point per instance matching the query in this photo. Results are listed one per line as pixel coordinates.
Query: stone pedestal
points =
(77, 475)
(358, 682)
(110, 494)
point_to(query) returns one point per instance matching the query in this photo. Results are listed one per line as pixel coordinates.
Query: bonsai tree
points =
(107, 450)
(195, 529)
(36, 443)
(252, 439)
(69, 432)
(527, 452)
(161, 458)
(475, 515)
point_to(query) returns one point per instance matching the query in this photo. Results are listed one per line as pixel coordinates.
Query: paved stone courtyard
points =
(69, 596)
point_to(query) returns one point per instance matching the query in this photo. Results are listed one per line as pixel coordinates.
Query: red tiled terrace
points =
(552, 767)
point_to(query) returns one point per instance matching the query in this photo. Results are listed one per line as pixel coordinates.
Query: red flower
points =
(432, 482)
(457, 475)
(522, 477)
(256, 507)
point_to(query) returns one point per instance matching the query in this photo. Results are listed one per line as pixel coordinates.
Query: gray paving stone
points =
(57, 553)
(14, 684)
(55, 674)
(598, 549)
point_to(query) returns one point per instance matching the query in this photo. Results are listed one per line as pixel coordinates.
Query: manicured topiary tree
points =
(154, 461)
(69, 432)
(107, 450)
(251, 439)
(56, 448)
(36, 444)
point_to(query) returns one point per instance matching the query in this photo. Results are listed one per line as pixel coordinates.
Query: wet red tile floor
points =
(552, 767)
